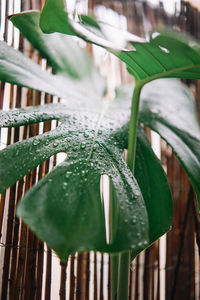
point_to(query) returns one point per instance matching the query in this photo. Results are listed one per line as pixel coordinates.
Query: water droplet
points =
(35, 142)
(67, 175)
(134, 220)
(83, 146)
(99, 131)
(86, 135)
(55, 144)
(64, 185)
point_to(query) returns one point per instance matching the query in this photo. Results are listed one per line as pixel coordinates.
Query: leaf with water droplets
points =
(155, 190)
(94, 135)
(94, 143)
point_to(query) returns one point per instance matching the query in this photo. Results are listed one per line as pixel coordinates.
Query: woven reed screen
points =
(28, 269)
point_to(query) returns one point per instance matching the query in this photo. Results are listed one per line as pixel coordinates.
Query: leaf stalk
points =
(125, 258)
(133, 127)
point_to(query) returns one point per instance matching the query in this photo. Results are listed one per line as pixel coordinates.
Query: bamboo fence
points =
(28, 269)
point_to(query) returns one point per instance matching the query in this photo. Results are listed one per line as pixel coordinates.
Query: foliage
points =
(65, 208)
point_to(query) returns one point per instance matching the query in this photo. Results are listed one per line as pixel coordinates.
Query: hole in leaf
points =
(105, 198)
(61, 156)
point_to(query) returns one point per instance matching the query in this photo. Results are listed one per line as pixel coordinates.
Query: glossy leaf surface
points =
(155, 190)
(57, 48)
(166, 54)
(73, 188)
(173, 115)
(13, 70)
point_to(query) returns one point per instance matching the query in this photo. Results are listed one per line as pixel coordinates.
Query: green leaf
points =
(18, 69)
(13, 70)
(166, 54)
(168, 108)
(155, 190)
(31, 115)
(59, 20)
(68, 213)
(58, 49)
(94, 146)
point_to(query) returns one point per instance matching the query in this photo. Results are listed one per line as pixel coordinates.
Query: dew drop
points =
(55, 144)
(83, 146)
(67, 175)
(35, 142)
(64, 185)
(86, 135)
(99, 131)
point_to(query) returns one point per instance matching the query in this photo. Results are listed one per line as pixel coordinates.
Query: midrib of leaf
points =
(105, 105)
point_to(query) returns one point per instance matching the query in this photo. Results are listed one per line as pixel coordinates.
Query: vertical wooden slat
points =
(48, 275)
(17, 291)
(39, 270)
(15, 244)
(72, 279)
(80, 288)
(147, 274)
(101, 297)
(87, 272)
(62, 291)
(10, 216)
(137, 279)
(109, 278)
(95, 276)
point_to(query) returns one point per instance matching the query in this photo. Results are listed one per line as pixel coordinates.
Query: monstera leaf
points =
(64, 208)
(175, 119)
(165, 54)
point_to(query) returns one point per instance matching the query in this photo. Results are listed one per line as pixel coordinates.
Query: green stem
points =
(133, 127)
(125, 258)
(123, 278)
(114, 259)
